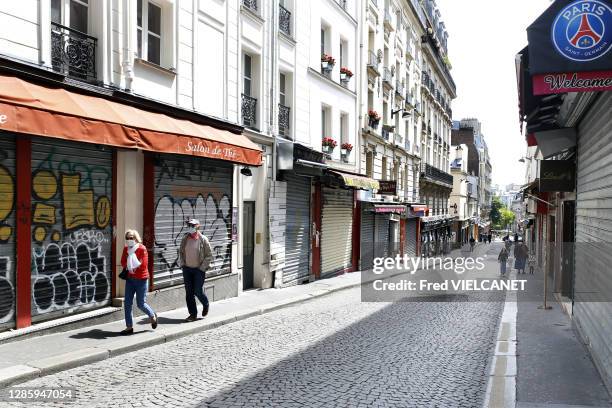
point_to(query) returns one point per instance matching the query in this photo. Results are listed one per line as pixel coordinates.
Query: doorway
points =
(248, 245)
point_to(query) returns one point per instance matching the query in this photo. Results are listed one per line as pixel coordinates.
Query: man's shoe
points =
(127, 331)
(154, 321)
(205, 311)
(191, 318)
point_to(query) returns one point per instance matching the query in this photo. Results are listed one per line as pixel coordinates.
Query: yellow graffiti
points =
(44, 214)
(7, 193)
(103, 212)
(44, 185)
(78, 204)
(5, 233)
(40, 233)
(55, 236)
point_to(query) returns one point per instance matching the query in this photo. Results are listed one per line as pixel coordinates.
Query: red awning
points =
(59, 113)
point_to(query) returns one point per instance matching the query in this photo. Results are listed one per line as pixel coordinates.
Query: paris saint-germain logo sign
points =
(583, 30)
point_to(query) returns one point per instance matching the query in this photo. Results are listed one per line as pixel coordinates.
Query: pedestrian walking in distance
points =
(503, 259)
(521, 253)
(489, 236)
(136, 260)
(195, 256)
(472, 243)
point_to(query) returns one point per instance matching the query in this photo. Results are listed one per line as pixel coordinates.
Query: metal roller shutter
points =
(336, 230)
(7, 230)
(71, 226)
(191, 187)
(594, 229)
(367, 240)
(411, 237)
(382, 236)
(297, 230)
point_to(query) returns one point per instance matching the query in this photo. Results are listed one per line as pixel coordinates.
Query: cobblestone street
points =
(333, 350)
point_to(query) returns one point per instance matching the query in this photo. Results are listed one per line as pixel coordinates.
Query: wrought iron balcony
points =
(373, 63)
(284, 20)
(73, 53)
(249, 111)
(399, 89)
(284, 121)
(386, 77)
(250, 4)
(386, 133)
(434, 174)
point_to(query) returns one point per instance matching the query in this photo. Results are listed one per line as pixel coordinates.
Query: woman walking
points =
(135, 259)
(503, 258)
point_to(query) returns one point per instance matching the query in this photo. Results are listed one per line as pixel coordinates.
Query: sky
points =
(484, 37)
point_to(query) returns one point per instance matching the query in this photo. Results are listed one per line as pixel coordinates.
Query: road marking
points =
(501, 387)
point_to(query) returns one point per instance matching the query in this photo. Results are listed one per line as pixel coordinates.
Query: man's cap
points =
(193, 221)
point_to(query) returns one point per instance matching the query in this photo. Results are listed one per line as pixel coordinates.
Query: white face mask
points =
(130, 242)
(193, 230)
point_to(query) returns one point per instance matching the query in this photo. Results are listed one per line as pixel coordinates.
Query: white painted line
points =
(501, 387)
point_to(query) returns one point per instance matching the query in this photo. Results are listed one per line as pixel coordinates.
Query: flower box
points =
(328, 145)
(345, 74)
(327, 63)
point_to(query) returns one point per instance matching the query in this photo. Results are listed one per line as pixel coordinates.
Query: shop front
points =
(435, 235)
(381, 234)
(66, 185)
(302, 166)
(342, 227)
(566, 69)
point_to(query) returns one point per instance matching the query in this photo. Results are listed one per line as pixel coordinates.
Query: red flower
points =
(347, 146)
(346, 71)
(373, 114)
(329, 142)
(328, 58)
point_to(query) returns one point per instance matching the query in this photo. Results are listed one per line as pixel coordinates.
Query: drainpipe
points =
(127, 65)
(271, 131)
(361, 80)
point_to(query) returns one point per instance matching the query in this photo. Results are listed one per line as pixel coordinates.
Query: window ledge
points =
(253, 14)
(149, 64)
(287, 37)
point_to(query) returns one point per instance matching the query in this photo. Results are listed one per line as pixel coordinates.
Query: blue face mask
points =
(192, 230)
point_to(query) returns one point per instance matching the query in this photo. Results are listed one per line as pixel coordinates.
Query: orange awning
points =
(56, 112)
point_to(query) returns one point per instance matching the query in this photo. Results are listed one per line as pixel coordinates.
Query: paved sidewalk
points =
(34, 357)
(555, 369)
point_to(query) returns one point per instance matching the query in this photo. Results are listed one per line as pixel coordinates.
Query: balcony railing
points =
(284, 121)
(284, 20)
(432, 173)
(73, 53)
(372, 60)
(386, 134)
(386, 77)
(399, 88)
(250, 4)
(249, 111)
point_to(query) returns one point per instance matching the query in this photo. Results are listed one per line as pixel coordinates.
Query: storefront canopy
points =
(355, 181)
(56, 112)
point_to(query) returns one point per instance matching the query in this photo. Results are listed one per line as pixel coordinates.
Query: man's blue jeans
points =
(136, 287)
(194, 283)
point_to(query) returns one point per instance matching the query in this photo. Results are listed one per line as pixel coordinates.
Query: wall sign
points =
(387, 187)
(557, 175)
(544, 84)
(234, 224)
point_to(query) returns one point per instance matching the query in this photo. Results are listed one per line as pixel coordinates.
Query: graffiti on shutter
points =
(191, 187)
(71, 226)
(7, 230)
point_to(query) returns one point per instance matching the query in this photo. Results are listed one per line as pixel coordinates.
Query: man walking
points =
(195, 256)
